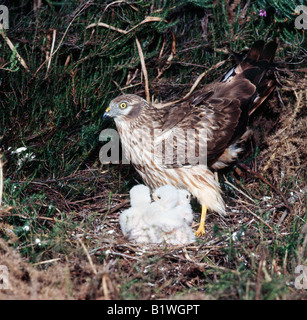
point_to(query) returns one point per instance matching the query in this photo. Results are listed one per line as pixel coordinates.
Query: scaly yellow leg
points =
(201, 229)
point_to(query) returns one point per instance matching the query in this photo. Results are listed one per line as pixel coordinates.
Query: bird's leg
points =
(201, 229)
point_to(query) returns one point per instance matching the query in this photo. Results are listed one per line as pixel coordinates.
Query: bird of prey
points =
(158, 142)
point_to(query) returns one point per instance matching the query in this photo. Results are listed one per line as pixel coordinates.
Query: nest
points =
(285, 155)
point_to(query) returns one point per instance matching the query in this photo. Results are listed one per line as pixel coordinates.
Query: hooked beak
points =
(106, 114)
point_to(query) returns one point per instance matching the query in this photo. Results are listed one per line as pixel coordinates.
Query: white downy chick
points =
(130, 220)
(176, 219)
(161, 212)
(184, 207)
(181, 236)
(165, 219)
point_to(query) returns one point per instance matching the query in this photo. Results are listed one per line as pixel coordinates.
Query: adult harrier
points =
(158, 141)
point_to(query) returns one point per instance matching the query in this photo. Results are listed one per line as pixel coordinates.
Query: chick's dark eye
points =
(188, 197)
(123, 105)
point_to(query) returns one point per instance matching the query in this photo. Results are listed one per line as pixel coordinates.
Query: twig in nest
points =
(124, 255)
(122, 204)
(46, 261)
(88, 256)
(144, 70)
(244, 194)
(256, 216)
(257, 174)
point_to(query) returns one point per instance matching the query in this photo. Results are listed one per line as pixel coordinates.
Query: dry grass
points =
(250, 254)
(287, 147)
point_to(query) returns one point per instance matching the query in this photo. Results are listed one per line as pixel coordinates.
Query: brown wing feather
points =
(177, 112)
(221, 108)
(217, 115)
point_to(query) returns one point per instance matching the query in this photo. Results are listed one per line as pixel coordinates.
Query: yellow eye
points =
(123, 105)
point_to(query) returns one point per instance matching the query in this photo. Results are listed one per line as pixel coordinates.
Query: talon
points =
(201, 229)
(199, 232)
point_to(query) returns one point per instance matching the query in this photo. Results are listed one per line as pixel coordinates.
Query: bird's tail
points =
(254, 67)
(257, 61)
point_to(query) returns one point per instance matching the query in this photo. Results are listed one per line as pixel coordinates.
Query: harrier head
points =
(126, 107)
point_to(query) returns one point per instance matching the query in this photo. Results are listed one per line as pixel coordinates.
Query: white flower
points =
(24, 156)
(37, 241)
(236, 235)
(26, 228)
(21, 149)
(266, 198)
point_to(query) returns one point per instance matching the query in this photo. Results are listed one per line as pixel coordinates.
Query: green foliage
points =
(55, 112)
(281, 16)
(282, 9)
(201, 3)
(12, 65)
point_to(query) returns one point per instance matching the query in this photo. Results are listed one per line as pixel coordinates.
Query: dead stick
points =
(52, 48)
(88, 256)
(230, 184)
(146, 20)
(256, 216)
(5, 210)
(13, 48)
(122, 204)
(102, 24)
(46, 261)
(144, 70)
